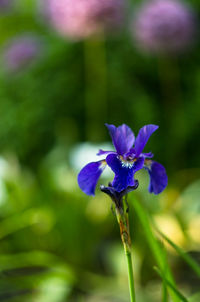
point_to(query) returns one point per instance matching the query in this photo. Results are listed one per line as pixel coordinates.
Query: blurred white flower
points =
(84, 153)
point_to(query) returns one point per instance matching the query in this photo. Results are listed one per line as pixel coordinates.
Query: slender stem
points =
(130, 275)
(123, 220)
(96, 106)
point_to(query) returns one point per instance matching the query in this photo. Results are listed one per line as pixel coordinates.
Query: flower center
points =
(127, 163)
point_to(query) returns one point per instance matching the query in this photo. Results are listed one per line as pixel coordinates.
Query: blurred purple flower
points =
(5, 5)
(164, 26)
(21, 52)
(78, 19)
(124, 162)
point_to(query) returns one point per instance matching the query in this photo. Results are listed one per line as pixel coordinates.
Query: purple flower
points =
(5, 5)
(78, 19)
(21, 51)
(164, 26)
(125, 162)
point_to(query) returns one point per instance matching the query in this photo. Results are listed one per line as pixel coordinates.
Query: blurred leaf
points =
(37, 259)
(20, 221)
(164, 292)
(195, 298)
(50, 278)
(24, 271)
(169, 284)
(186, 257)
(6, 296)
(52, 289)
(154, 244)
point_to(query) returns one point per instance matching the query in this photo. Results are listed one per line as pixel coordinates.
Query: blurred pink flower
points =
(21, 51)
(164, 26)
(78, 19)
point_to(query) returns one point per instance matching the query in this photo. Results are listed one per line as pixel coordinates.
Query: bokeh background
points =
(61, 79)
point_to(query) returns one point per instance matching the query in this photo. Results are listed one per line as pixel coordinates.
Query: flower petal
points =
(102, 152)
(158, 177)
(89, 175)
(116, 196)
(148, 155)
(122, 138)
(124, 171)
(143, 136)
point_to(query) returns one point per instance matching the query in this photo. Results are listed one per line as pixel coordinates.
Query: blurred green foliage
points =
(48, 99)
(57, 244)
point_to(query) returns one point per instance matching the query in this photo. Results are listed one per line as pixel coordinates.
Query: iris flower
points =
(125, 162)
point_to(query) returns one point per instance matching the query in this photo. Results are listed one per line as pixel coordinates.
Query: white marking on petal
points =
(148, 163)
(103, 165)
(126, 164)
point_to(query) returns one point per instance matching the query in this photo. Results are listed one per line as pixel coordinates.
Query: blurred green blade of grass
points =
(17, 222)
(195, 297)
(172, 287)
(24, 271)
(37, 259)
(164, 293)
(20, 221)
(155, 246)
(187, 258)
(7, 296)
(49, 276)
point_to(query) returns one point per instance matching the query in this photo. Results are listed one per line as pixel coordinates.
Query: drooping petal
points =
(143, 136)
(89, 175)
(158, 177)
(122, 138)
(102, 152)
(124, 171)
(116, 196)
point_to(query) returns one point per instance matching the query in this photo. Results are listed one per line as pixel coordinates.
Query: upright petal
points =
(122, 138)
(143, 137)
(89, 175)
(124, 171)
(158, 177)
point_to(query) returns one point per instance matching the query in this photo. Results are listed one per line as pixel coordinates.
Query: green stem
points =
(123, 221)
(96, 106)
(130, 275)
